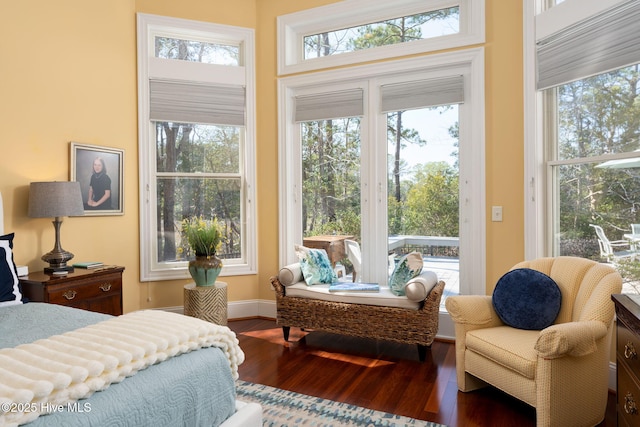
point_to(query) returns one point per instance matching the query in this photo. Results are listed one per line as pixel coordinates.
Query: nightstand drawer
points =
(102, 288)
(628, 396)
(628, 346)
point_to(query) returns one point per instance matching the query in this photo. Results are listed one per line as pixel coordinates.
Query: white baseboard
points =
(240, 309)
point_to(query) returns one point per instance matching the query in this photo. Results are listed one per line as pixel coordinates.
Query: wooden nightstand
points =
(97, 289)
(627, 360)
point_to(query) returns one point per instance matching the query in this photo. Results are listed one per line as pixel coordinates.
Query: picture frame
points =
(102, 168)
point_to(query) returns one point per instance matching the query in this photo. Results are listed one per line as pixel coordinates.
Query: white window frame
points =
(469, 63)
(150, 26)
(538, 186)
(292, 29)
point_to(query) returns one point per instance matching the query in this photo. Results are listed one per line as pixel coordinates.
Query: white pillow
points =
(290, 274)
(419, 287)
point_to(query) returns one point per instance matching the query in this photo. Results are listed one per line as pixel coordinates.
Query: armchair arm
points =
(571, 338)
(472, 310)
(278, 287)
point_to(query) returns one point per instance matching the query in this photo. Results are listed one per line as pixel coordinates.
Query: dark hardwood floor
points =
(378, 375)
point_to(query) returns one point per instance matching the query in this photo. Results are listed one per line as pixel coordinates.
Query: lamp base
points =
(51, 270)
(57, 257)
(57, 260)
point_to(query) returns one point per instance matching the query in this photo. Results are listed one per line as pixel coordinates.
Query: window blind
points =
(332, 105)
(422, 93)
(604, 42)
(190, 102)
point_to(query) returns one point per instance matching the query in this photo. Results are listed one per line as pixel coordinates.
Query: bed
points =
(65, 366)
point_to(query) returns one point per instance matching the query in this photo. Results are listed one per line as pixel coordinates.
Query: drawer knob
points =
(630, 351)
(630, 404)
(70, 294)
(106, 287)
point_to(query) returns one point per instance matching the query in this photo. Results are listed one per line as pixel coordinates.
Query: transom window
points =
(196, 51)
(404, 29)
(357, 31)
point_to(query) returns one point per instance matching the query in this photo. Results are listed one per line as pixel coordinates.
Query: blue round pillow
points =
(527, 299)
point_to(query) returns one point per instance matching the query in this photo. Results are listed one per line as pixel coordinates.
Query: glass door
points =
(423, 189)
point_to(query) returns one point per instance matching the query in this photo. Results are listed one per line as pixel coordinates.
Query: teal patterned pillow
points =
(408, 267)
(315, 265)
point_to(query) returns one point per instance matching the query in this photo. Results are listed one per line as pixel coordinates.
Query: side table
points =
(206, 302)
(333, 244)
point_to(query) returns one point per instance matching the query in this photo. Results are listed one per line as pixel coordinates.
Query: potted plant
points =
(204, 237)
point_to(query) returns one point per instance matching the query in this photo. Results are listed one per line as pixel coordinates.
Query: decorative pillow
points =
(10, 289)
(419, 287)
(408, 267)
(290, 274)
(527, 299)
(315, 265)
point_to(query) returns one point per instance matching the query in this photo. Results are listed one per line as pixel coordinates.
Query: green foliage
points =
(346, 222)
(432, 207)
(204, 236)
(331, 175)
(629, 269)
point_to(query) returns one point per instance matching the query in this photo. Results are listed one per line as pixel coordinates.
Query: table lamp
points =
(55, 200)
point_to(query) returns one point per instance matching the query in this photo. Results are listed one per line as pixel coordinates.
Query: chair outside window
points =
(613, 250)
(635, 236)
(355, 257)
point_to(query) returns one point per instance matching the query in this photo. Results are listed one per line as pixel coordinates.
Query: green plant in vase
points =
(204, 237)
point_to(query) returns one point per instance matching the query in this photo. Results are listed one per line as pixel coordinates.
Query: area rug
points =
(281, 408)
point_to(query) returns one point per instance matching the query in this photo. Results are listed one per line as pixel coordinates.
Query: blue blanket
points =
(194, 389)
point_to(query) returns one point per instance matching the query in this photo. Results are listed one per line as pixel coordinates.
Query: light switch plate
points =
(496, 213)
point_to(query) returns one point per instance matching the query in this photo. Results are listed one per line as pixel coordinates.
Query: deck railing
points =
(428, 245)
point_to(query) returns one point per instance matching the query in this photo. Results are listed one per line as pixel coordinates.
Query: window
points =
(346, 170)
(589, 126)
(598, 123)
(356, 31)
(196, 124)
(404, 29)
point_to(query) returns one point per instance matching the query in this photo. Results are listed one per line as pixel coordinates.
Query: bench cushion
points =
(416, 290)
(321, 291)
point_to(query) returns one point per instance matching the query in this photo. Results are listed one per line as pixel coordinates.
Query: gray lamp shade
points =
(55, 199)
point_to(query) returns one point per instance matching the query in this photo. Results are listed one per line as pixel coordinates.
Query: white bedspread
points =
(61, 369)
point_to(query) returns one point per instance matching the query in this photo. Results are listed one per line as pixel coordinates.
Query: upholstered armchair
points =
(561, 370)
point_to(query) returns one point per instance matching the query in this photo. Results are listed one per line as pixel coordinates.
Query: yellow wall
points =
(504, 134)
(69, 74)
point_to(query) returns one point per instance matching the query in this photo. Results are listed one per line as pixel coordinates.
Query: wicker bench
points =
(404, 325)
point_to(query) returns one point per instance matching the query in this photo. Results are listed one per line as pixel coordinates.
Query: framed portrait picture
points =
(100, 172)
